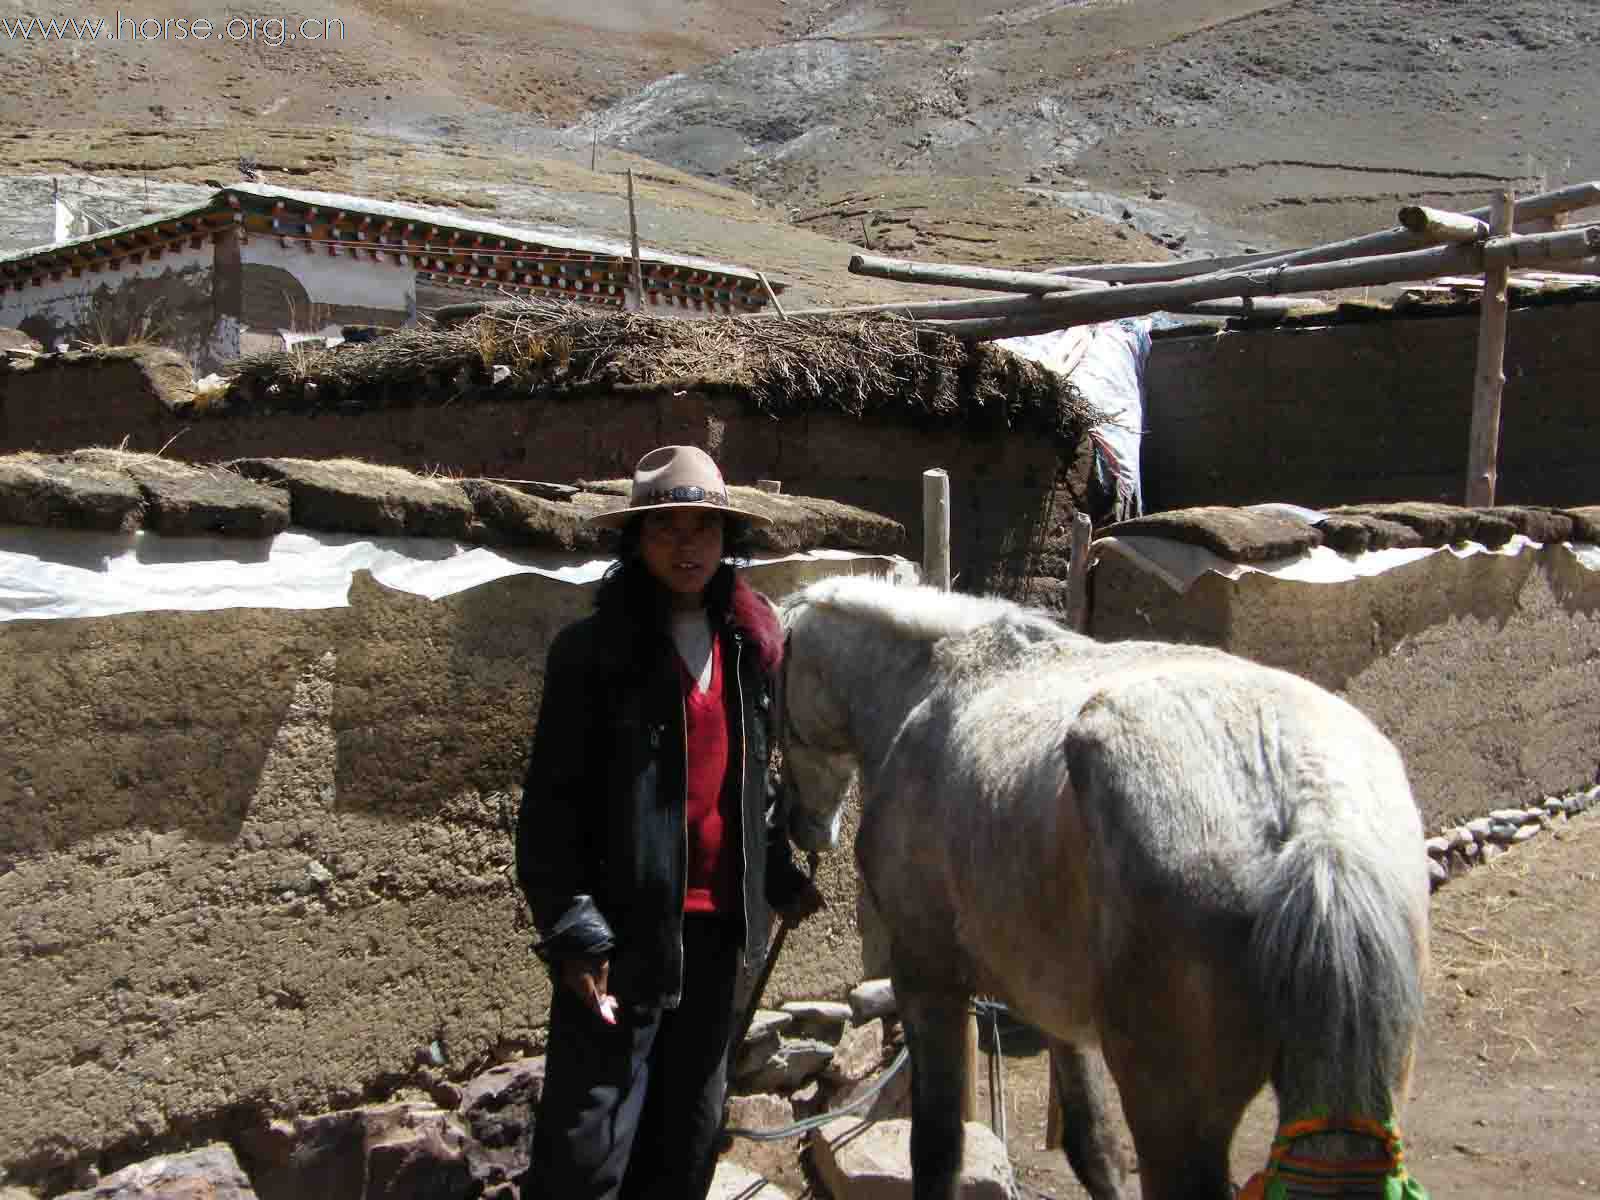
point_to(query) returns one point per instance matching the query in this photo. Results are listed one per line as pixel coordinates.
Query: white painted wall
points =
(338, 280)
(64, 300)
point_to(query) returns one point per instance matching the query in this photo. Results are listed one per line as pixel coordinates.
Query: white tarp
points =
(1106, 362)
(57, 573)
(1178, 564)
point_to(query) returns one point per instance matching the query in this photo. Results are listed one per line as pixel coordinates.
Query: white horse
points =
(1211, 870)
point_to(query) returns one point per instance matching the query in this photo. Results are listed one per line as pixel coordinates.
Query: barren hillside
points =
(1021, 131)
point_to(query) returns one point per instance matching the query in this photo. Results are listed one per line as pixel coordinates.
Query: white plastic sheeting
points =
(56, 573)
(1178, 564)
(1106, 362)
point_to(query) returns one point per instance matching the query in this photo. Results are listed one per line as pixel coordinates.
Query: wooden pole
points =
(936, 572)
(1015, 317)
(1078, 572)
(1389, 241)
(772, 296)
(1443, 226)
(1483, 448)
(936, 528)
(633, 235)
(954, 275)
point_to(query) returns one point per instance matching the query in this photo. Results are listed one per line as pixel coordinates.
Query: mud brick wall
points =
(1484, 670)
(1369, 411)
(1013, 496)
(259, 862)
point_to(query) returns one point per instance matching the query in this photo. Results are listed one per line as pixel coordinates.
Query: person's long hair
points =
(629, 593)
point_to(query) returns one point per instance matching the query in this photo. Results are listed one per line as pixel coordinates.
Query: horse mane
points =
(923, 614)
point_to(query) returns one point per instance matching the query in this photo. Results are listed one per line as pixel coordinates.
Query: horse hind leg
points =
(1087, 1134)
(935, 1024)
(1188, 1059)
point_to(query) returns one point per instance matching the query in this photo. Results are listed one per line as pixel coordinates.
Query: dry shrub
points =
(862, 367)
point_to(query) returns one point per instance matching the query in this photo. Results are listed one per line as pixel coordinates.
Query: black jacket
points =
(601, 838)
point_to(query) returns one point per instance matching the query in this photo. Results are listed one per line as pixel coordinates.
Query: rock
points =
(874, 998)
(1354, 534)
(1438, 874)
(1236, 534)
(1437, 847)
(36, 490)
(807, 1102)
(209, 1173)
(1461, 837)
(874, 1163)
(181, 500)
(761, 1041)
(1479, 829)
(733, 1182)
(1470, 851)
(762, 1113)
(1514, 816)
(893, 1100)
(1555, 805)
(1585, 523)
(510, 516)
(859, 1054)
(347, 496)
(825, 1020)
(1502, 831)
(403, 1151)
(1545, 525)
(1526, 833)
(498, 1108)
(796, 1061)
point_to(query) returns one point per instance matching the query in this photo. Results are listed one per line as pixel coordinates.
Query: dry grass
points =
(861, 367)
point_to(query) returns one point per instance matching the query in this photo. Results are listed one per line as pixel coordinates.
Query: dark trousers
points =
(633, 1111)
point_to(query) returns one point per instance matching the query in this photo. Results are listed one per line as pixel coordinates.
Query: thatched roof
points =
(1251, 536)
(883, 368)
(119, 491)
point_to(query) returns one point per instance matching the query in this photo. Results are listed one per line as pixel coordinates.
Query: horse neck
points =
(880, 677)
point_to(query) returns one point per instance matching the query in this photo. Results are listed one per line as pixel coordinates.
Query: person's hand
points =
(806, 901)
(587, 977)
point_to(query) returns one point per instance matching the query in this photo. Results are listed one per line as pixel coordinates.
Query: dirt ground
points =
(1506, 1097)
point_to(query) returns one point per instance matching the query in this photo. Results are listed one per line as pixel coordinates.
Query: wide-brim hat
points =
(677, 477)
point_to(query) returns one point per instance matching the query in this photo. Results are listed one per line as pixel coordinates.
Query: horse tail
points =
(1337, 950)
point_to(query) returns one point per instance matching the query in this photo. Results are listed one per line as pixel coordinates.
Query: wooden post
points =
(1054, 1118)
(773, 486)
(1483, 448)
(772, 296)
(1078, 572)
(936, 528)
(936, 572)
(633, 234)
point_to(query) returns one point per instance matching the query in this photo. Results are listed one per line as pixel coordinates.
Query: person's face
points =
(682, 548)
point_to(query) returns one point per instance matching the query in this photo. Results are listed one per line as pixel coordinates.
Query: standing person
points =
(646, 844)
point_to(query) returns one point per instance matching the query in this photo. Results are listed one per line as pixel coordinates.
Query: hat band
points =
(683, 494)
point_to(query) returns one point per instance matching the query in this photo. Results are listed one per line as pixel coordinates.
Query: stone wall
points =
(260, 862)
(1484, 670)
(1376, 410)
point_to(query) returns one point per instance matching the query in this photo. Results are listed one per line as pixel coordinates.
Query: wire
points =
(821, 1119)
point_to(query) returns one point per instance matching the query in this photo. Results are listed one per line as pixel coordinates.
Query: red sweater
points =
(712, 884)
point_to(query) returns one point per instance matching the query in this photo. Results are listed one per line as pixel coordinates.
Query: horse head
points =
(819, 762)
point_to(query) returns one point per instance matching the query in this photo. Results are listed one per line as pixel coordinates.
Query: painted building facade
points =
(255, 265)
